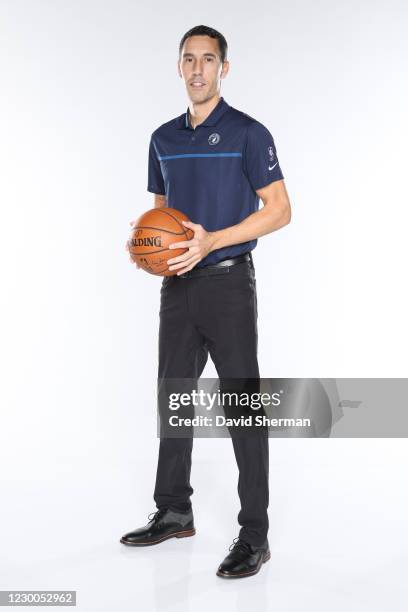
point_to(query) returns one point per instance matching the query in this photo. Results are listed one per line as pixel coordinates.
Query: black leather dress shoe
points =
(243, 560)
(165, 524)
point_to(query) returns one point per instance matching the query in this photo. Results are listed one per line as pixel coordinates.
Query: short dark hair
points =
(202, 30)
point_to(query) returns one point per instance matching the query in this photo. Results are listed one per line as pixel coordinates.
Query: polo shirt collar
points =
(210, 121)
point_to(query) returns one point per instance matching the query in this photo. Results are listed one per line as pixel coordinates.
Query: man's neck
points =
(199, 112)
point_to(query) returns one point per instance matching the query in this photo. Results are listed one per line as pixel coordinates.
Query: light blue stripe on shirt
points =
(163, 157)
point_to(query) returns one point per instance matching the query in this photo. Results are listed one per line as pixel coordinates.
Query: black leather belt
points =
(219, 268)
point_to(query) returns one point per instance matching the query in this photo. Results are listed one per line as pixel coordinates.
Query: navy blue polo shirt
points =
(211, 173)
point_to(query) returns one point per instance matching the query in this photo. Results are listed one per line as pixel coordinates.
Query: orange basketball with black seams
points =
(150, 238)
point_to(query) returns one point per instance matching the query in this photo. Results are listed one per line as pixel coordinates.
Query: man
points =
(213, 163)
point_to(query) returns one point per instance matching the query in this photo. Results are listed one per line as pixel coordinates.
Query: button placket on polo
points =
(193, 135)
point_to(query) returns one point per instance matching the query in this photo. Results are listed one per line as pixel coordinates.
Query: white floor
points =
(338, 531)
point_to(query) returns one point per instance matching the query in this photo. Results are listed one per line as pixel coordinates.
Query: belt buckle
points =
(215, 268)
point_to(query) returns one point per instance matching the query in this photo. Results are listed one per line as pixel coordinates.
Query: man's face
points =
(201, 68)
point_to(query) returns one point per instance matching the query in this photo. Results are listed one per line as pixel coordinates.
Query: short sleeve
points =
(261, 164)
(155, 182)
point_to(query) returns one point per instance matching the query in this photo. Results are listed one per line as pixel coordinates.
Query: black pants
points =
(216, 315)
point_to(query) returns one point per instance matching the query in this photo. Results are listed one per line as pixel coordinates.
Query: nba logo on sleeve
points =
(272, 157)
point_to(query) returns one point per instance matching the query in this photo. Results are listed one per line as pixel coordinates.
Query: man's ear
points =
(178, 69)
(225, 69)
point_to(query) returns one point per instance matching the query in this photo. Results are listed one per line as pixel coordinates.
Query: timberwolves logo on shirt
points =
(214, 139)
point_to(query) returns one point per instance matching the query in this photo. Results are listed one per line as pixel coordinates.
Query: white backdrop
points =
(84, 83)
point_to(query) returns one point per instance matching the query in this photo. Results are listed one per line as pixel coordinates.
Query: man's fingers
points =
(185, 263)
(189, 267)
(131, 223)
(184, 244)
(175, 260)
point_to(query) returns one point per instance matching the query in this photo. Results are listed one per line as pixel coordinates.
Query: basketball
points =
(150, 238)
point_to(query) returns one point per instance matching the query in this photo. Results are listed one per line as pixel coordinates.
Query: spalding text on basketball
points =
(147, 241)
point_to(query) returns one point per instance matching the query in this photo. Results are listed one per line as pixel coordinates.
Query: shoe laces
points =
(240, 545)
(155, 516)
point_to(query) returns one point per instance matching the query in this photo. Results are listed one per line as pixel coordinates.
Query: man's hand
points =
(198, 248)
(127, 248)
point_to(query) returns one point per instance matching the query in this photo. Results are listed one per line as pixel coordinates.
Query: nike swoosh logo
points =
(272, 167)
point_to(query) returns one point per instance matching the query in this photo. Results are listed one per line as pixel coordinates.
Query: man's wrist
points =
(215, 240)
